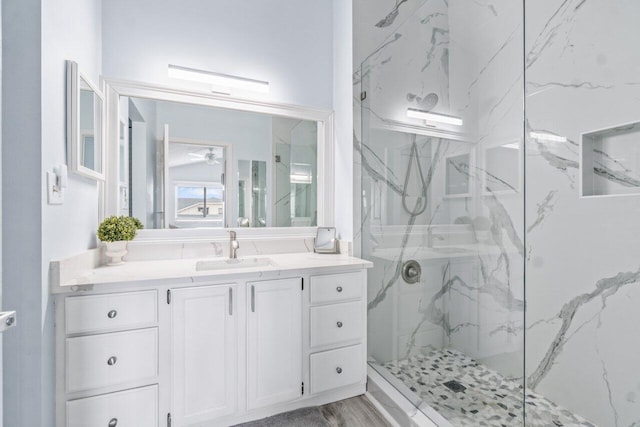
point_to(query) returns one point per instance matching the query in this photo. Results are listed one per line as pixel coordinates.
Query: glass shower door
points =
(442, 212)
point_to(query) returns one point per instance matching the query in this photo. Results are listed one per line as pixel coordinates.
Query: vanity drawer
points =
(130, 408)
(336, 323)
(337, 368)
(97, 313)
(336, 287)
(111, 359)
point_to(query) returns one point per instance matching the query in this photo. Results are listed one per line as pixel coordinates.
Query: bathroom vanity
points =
(181, 335)
(208, 342)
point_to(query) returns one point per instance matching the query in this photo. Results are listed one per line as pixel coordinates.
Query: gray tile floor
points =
(355, 412)
(468, 393)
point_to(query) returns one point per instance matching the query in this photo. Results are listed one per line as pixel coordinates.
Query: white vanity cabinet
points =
(274, 337)
(204, 353)
(338, 330)
(107, 359)
(216, 351)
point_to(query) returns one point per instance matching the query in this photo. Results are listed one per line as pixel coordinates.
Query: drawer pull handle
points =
(339, 289)
(113, 422)
(339, 370)
(339, 324)
(111, 315)
(112, 361)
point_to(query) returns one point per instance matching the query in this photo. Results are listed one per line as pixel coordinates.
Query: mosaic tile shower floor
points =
(468, 393)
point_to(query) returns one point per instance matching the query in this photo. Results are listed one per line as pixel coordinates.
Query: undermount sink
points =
(232, 264)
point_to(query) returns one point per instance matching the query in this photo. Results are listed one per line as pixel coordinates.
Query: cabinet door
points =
(274, 342)
(204, 354)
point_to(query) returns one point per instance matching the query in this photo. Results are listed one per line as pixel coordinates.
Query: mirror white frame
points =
(75, 135)
(110, 198)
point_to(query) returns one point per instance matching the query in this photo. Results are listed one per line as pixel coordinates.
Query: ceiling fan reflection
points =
(210, 157)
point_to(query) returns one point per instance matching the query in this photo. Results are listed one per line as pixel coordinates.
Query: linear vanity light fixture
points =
(433, 117)
(547, 137)
(217, 79)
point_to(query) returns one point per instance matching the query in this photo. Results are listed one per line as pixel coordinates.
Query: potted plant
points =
(115, 232)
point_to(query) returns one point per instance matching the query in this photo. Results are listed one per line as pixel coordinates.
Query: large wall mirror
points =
(180, 160)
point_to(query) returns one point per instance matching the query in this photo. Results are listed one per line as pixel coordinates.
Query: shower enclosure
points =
(500, 170)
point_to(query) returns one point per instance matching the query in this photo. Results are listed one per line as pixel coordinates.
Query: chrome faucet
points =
(233, 245)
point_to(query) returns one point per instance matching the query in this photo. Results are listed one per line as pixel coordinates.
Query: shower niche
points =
(610, 163)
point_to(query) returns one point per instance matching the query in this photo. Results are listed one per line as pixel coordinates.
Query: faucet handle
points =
(232, 234)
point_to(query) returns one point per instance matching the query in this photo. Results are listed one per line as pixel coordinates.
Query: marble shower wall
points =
(583, 272)
(583, 258)
(464, 60)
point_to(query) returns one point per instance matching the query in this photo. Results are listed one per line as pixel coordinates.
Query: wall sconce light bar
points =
(217, 79)
(547, 137)
(433, 117)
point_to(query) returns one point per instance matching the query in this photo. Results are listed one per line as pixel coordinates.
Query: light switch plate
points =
(54, 195)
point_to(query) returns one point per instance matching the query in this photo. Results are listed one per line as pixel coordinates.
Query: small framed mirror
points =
(326, 242)
(85, 112)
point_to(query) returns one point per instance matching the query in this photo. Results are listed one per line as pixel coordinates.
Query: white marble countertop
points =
(139, 272)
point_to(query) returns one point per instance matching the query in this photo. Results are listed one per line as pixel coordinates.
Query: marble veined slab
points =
(142, 272)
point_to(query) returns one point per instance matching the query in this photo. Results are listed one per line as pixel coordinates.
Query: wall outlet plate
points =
(55, 196)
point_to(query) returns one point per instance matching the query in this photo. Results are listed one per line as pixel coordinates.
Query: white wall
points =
(37, 40)
(288, 43)
(21, 228)
(302, 48)
(342, 104)
(69, 228)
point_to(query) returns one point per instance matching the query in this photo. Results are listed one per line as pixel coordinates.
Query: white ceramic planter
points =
(115, 251)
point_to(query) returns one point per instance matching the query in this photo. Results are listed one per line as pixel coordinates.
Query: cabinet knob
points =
(112, 361)
(339, 289)
(113, 422)
(339, 324)
(112, 314)
(339, 370)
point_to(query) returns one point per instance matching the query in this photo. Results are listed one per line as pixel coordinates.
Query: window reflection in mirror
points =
(196, 183)
(191, 166)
